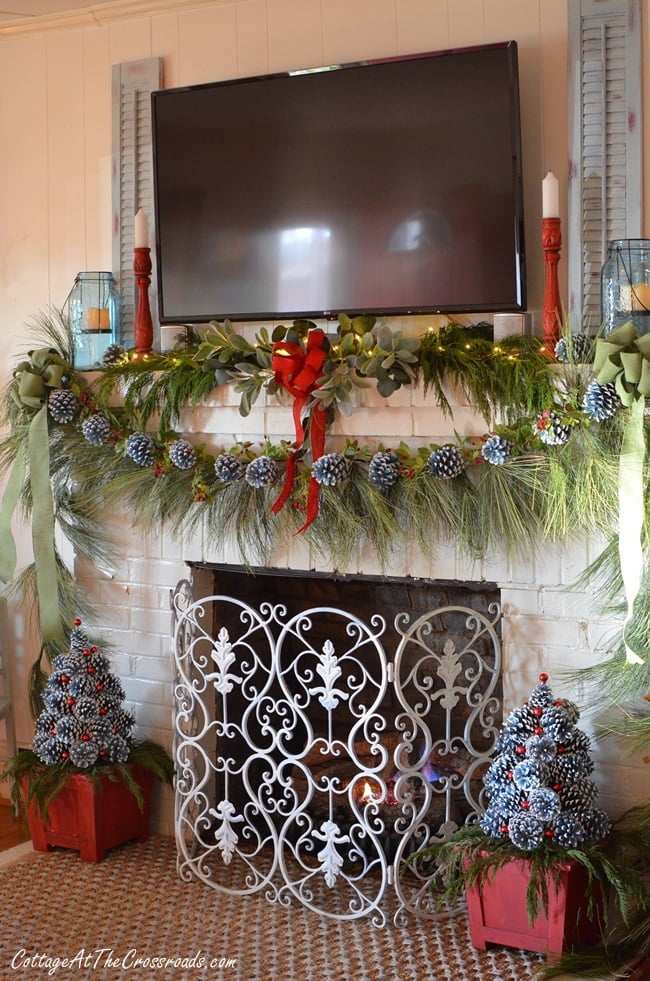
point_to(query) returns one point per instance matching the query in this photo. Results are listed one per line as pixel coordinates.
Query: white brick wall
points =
(545, 626)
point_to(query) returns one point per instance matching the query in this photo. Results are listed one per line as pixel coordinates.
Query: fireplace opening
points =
(329, 725)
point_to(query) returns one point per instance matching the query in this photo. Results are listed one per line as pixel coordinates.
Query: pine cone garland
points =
(332, 469)
(63, 405)
(229, 468)
(262, 472)
(96, 429)
(384, 470)
(182, 454)
(496, 449)
(141, 448)
(601, 402)
(446, 463)
(575, 349)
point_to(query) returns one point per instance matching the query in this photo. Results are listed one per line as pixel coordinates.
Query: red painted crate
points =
(92, 821)
(497, 911)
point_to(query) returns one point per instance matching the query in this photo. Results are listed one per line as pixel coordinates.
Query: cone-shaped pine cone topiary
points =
(83, 722)
(538, 786)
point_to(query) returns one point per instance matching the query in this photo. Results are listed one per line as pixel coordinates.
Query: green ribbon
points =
(624, 359)
(45, 370)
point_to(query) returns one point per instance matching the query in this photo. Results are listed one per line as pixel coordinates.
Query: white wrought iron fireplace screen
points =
(292, 775)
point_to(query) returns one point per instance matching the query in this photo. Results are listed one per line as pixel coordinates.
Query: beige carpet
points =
(103, 917)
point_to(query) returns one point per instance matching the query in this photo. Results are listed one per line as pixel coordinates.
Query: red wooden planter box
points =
(90, 820)
(497, 911)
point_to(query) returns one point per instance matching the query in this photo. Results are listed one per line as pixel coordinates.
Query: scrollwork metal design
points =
(298, 776)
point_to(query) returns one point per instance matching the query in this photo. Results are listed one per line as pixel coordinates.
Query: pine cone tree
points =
(141, 448)
(447, 462)
(182, 454)
(332, 469)
(384, 470)
(229, 468)
(601, 402)
(537, 786)
(83, 722)
(96, 429)
(62, 404)
(262, 472)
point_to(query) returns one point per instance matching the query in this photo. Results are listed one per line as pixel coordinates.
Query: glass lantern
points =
(94, 310)
(625, 285)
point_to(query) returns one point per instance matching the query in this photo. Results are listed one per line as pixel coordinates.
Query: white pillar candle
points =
(141, 230)
(550, 196)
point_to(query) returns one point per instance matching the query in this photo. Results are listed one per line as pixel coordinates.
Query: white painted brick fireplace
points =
(545, 627)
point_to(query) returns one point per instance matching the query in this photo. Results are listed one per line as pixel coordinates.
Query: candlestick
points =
(552, 313)
(143, 326)
(550, 196)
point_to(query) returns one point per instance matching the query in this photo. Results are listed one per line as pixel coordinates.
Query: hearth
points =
(326, 727)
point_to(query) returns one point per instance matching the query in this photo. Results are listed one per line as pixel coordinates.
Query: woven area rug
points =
(112, 920)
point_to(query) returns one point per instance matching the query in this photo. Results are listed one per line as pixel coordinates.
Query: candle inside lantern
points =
(641, 296)
(550, 196)
(96, 318)
(140, 230)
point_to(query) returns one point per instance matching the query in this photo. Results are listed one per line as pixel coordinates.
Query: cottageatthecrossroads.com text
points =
(106, 957)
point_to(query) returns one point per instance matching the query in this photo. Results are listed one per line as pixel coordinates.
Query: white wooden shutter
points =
(605, 166)
(133, 83)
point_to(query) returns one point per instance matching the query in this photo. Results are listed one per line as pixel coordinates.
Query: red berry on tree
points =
(86, 652)
(505, 828)
(538, 731)
(103, 710)
(70, 701)
(559, 703)
(510, 774)
(537, 711)
(521, 750)
(543, 678)
(90, 669)
(561, 749)
(548, 833)
(99, 688)
(525, 804)
(557, 786)
(64, 678)
(77, 622)
(65, 754)
(85, 737)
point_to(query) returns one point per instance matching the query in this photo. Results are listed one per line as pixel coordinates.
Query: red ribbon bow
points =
(298, 372)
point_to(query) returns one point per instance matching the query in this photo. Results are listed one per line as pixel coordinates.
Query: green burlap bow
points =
(34, 379)
(624, 359)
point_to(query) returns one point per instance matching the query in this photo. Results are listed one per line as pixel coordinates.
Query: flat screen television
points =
(386, 187)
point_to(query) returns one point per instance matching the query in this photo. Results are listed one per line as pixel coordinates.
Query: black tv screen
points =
(386, 187)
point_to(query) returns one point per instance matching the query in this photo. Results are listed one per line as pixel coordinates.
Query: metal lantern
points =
(625, 285)
(94, 310)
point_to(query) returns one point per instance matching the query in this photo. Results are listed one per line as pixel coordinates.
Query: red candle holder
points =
(552, 312)
(143, 327)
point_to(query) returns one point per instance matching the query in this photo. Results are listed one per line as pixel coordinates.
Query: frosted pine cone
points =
(601, 402)
(496, 449)
(141, 448)
(568, 832)
(229, 468)
(262, 472)
(62, 405)
(83, 754)
(332, 470)
(544, 803)
(446, 463)
(96, 429)
(384, 470)
(117, 750)
(576, 348)
(595, 824)
(525, 831)
(551, 430)
(182, 454)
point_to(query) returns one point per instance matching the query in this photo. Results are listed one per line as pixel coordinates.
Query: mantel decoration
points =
(565, 433)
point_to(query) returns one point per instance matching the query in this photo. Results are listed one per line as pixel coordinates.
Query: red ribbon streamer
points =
(298, 371)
